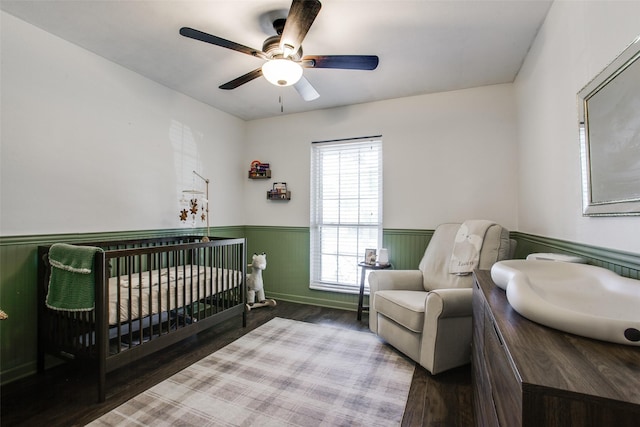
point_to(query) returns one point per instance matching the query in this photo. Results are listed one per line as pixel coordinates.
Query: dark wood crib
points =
(149, 294)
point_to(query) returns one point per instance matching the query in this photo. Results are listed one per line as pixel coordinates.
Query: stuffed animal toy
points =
(255, 285)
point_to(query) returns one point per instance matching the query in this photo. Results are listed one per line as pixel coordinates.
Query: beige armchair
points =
(426, 313)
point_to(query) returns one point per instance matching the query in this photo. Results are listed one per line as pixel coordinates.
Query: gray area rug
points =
(284, 373)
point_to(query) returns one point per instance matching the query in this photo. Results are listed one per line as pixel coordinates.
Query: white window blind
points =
(346, 210)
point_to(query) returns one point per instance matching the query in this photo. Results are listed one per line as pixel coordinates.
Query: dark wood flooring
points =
(67, 396)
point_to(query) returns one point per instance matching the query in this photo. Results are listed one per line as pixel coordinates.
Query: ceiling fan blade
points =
(251, 75)
(346, 62)
(301, 15)
(219, 41)
(306, 91)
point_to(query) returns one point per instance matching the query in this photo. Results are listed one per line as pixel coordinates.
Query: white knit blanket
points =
(466, 249)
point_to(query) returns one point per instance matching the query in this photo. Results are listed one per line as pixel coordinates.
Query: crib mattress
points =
(157, 291)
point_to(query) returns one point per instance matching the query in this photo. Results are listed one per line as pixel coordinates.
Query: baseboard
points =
(17, 372)
(321, 302)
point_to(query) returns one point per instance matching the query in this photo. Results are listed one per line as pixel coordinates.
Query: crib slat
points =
(102, 318)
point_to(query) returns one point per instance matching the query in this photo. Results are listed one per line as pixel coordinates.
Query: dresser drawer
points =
(505, 386)
(478, 306)
(483, 407)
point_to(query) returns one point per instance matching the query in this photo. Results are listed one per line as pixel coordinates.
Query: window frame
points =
(349, 266)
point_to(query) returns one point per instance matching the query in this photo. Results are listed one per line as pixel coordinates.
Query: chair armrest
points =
(446, 334)
(382, 280)
(443, 303)
(407, 280)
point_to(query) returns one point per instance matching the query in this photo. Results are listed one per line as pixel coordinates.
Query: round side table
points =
(364, 267)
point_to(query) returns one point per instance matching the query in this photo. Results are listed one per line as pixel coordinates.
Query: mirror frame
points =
(603, 146)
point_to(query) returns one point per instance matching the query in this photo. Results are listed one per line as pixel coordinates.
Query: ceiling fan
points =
(283, 52)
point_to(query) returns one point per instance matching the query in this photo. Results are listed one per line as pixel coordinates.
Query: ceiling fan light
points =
(282, 72)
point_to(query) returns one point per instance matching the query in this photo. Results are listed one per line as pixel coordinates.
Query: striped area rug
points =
(284, 373)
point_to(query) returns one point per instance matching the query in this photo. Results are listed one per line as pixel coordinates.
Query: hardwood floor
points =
(67, 396)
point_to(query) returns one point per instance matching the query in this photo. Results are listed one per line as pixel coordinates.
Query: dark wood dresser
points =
(526, 374)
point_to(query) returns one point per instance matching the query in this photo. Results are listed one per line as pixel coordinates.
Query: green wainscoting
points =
(406, 247)
(287, 273)
(286, 276)
(625, 264)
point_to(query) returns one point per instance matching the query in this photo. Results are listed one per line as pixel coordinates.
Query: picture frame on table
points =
(370, 256)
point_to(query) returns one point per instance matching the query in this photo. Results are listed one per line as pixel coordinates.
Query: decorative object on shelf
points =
(259, 170)
(191, 206)
(279, 192)
(370, 256)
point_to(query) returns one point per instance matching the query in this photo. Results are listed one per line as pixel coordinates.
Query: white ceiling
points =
(425, 46)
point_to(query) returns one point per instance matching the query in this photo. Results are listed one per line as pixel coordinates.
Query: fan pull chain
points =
(281, 104)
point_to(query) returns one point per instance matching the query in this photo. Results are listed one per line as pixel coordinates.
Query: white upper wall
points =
(88, 146)
(577, 41)
(447, 157)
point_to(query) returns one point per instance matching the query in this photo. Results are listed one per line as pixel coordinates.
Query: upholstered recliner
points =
(426, 313)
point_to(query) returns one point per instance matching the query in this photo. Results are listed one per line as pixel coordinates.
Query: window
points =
(346, 210)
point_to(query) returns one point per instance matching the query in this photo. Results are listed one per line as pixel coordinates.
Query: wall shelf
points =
(278, 195)
(259, 170)
(260, 175)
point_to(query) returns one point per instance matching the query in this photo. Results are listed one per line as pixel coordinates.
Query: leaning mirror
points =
(609, 108)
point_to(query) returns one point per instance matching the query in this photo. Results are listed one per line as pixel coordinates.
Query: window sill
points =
(342, 289)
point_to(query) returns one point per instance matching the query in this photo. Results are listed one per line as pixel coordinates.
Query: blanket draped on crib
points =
(72, 282)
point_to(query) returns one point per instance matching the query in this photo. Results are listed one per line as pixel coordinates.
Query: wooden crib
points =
(149, 294)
